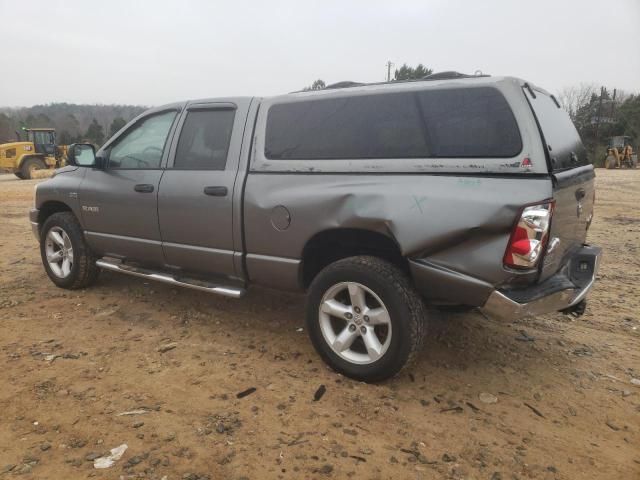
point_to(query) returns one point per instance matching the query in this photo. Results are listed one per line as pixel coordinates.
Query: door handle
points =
(143, 188)
(216, 191)
(580, 194)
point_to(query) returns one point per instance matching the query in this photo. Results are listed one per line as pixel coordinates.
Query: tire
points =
(387, 290)
(610, 162)
(19, 175)
(81, 271)
(29, 166)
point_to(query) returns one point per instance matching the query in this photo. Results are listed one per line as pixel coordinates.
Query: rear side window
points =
(472, 122)
(204, 140)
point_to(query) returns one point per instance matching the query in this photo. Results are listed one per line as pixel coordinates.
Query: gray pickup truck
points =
(375, 200)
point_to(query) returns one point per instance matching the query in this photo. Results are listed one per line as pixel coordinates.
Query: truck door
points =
(120, 201)
(195, 199)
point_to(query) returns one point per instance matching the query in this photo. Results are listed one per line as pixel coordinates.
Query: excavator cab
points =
(43, 139)
(619, 142)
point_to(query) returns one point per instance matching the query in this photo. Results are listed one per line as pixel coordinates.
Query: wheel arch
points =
(331, 245)
(50, 207)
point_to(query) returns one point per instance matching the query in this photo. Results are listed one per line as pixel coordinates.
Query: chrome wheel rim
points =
(59, 252)
(355, 323)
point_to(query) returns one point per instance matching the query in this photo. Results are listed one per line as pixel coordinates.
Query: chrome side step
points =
(233, 292)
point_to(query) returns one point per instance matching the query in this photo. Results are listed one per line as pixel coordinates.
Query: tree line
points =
(73, 123)
(597, 112)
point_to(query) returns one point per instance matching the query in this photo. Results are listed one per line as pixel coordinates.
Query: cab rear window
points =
(449, 123)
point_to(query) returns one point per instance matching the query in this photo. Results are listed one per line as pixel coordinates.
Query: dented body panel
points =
(455, 223)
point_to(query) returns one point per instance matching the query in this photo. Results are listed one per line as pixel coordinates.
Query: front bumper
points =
(33, 218)
(564, 290)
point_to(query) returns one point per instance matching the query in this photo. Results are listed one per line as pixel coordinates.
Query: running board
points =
(233, 292)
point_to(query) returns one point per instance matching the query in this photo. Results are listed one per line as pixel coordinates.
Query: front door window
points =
(142, 146)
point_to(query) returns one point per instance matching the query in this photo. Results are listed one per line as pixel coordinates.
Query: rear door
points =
(195, 199)
(572, 176)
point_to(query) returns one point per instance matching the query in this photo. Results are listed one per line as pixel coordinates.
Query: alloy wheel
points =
(355, 323)
(59, 252)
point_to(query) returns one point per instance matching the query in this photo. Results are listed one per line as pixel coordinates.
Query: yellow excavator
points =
(40, 151)
(620, 153)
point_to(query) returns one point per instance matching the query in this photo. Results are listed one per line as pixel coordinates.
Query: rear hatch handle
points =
(573, 157)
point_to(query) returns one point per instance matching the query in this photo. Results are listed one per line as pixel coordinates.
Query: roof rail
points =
(344, 84)
(451, 75)
(448, 75)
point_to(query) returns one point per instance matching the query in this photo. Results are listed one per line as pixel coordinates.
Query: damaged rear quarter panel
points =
(450, 217)
(461, 223)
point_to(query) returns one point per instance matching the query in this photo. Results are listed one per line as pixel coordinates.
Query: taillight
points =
(529, 236)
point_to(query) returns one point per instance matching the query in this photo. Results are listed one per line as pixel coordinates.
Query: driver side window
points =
(142, 146)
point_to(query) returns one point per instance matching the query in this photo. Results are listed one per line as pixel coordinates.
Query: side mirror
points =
(82, 155)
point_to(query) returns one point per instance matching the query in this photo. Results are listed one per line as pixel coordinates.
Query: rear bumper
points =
(565, 289)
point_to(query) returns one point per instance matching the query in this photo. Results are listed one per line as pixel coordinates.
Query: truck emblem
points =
(579, 212)
(526, 164)
(90, 209)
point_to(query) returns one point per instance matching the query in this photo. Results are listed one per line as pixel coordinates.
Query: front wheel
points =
(364, 318)
(66, 257)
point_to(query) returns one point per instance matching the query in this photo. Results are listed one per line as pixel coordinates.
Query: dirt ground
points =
(72, 362)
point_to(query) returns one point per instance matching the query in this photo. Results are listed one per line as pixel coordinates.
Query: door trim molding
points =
(122, 237)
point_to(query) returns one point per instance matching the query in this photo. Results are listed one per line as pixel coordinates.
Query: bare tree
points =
(572, 98)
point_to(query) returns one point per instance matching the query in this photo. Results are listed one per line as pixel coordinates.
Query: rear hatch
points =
(572, 176)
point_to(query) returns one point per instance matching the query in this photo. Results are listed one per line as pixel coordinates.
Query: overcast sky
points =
(156, 51)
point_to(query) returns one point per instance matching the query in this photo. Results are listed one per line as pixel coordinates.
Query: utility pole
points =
(599, 113)
(613, 104)
(389, 65)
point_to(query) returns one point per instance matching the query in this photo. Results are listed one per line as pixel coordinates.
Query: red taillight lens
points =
(529, 236)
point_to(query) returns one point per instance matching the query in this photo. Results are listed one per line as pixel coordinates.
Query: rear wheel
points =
(66, 257)
(29, 166)
(364, 318)
(19, 175)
